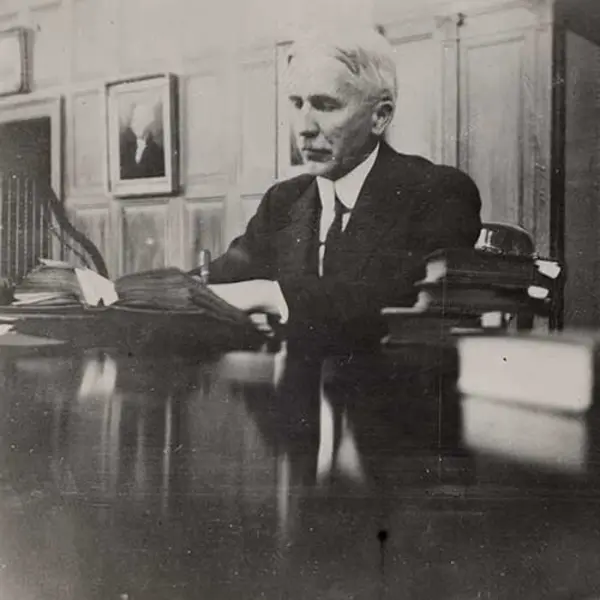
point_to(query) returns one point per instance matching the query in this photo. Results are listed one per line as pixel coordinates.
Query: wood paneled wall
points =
(227, 124)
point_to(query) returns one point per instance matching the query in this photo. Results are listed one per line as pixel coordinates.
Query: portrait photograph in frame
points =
(289, 159)
(14, 64)
(142, 136)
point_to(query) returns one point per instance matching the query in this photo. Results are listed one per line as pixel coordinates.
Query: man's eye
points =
(325, 104)
(296, 102)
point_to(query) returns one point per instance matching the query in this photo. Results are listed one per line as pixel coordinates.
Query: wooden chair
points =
(34, 223)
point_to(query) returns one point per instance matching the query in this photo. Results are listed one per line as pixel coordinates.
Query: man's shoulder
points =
(419, 169)
(288, 191)
(430, 185)
(298, 184)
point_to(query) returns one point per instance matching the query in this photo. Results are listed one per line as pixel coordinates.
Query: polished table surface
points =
(271, 475)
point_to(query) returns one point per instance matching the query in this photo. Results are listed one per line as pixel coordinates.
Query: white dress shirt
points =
(347, 189)
(139, 149)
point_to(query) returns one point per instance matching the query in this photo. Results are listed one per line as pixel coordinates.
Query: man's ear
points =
(383, 112)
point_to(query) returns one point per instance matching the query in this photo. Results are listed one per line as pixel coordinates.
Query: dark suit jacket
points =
(407, 208)
(152, 162)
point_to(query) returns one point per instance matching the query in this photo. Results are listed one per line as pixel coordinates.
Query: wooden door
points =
(24, 222)
(505, 70)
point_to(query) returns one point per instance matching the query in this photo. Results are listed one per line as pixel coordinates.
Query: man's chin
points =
(319, 169)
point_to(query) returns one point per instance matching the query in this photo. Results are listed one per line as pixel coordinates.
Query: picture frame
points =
(14, 62)
(142, 138)
(289, 160)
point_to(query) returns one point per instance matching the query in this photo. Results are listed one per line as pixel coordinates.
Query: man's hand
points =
(254, 296)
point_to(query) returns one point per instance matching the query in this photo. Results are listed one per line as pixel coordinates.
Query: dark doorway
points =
(25, 147)
(25, 161)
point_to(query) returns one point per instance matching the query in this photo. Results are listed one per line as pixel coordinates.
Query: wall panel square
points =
(204, 228)
(87, 149)
(93, 222)
(149, 37)
(258, 124)
(94, 38)
(203, 131)
(143, 235)
(51, 44)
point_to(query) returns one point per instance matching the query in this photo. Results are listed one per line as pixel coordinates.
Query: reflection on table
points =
(272, 475)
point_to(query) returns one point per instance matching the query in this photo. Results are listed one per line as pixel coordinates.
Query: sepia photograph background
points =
(225, 476)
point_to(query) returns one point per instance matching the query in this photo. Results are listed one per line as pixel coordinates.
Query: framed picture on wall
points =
(142, 136)
(289, 159)
(14, 69)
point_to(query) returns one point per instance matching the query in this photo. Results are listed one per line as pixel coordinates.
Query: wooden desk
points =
(246, 476)
(132, 329)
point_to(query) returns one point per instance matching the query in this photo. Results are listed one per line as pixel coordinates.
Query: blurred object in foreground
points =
(531, 438)
(548, 371)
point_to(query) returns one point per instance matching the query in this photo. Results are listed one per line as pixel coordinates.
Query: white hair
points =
(367, 55)
(144, 117)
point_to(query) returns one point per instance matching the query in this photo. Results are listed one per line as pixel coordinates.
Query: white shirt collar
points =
(348, 187)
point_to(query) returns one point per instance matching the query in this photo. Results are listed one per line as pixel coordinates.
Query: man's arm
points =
(249, 256)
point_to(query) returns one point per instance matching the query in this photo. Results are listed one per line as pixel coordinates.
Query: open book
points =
(57, 283)
(162, 309)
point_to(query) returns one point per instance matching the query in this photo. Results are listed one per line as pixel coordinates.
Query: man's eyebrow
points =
(324, 98)
(317, 98)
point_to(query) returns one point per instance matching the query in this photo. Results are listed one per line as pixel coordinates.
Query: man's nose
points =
(306, 123)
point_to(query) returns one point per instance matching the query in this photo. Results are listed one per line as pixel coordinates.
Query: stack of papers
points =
(56, 283)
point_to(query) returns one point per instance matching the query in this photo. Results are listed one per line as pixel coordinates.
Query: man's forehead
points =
(318, 73)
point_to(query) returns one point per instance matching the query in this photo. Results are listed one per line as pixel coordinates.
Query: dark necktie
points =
(332, 241)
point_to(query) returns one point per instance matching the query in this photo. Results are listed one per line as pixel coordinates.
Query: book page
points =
(95, 288)
(57, 264)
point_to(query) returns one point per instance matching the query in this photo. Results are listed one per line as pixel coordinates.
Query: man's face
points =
(333, 121)
(141, 119)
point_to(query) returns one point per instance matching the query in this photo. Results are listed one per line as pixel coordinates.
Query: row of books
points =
(162, 310)
(471, 289)
(59, 284)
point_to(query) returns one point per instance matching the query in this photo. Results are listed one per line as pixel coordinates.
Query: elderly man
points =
(327, 250)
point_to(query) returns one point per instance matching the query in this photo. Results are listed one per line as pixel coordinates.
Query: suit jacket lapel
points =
(379, 207)
(298, 241)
